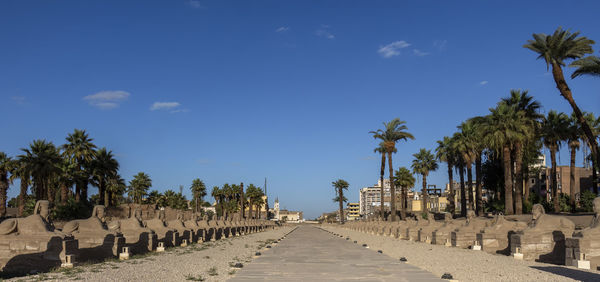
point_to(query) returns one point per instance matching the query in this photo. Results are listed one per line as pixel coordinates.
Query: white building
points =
(370, 197)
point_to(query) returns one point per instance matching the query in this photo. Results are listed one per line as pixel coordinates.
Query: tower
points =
(276, 208)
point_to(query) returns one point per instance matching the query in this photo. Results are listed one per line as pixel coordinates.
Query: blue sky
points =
(236, 91)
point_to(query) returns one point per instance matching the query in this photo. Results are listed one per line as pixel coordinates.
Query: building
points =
(352, 211)
(541, 183)
(485, 194)
(370, 198)
(285, 215)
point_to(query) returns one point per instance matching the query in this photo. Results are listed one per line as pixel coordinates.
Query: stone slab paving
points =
(312, 254)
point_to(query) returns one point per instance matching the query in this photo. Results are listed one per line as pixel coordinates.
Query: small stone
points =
(403, 259)
(268, 246)
(380, 251)
(238, 265)
(347, 238)
(355, 242)
(447, 276)
(364, 245)
(257, 254)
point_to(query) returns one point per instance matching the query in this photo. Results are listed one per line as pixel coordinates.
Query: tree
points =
(554, 131)
(573, 134)
(394, 131)
(20, 171)
(405, 180)
(253, 196)
(445, 153)
(6, 164)
(40, 161)
(587, 66)
(104, 166)
(382, 150)
(139, 186)
(464, 145)
(116, 187)
(555, 49)
(501, 129)
(527, 108)
(217, 194)
(80, 150)
(424, 163)
(340, 185)
(198, 191)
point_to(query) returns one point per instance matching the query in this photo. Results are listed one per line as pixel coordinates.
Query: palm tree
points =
(394, 131)
(478, 146)
(524, 104)
(6, 164)
(253, 195)
(460, 167)
(587, 66)
(554, 131)
(405, 180)
(555, 49)
(104, 166)
(79, 149)
(595, 126)
(217, 194)
(501, 129)
(573, 135)
(138, 187)
(424, 163)
(199, 191)
(20, 171)
(445, 153)
(41, 162)
(340, 185)
(464, 145)
(116, 187)
(382, 150)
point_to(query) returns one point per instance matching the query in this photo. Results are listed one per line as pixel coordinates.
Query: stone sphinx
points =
(442, 235)
(426, 232)
(32, 243)
(412, 231)
(466, 235)
(585, 245)
(96, 241)
(495, 238)
(168, 236)
(184, 232)
(197, 231)
(138, 237)
(544, 239)
(209, 231)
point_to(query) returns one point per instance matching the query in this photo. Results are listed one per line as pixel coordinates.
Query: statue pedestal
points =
(582, 252)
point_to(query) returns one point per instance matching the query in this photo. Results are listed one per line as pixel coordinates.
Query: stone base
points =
(548, 248)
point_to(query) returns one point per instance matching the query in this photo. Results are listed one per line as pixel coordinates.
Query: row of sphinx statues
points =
(544, 238)
(34, 244)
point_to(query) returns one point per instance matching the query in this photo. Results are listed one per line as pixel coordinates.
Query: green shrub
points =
(71, 210)
(586, 201)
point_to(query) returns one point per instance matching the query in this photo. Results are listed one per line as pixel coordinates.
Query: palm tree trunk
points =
(519, 178)
(463, 193)
(250, 214)
(3, 189)
(107, 197)
(63, 193)
(572, 177)
(78, 191)
(242, 202)
(451, 203)
(84, 191)
(392, 188)
(404, 202)
(341, 196)
(381, 176)
(101, 188)
(424, 193)
(508, 191)
(22, 196)
(478, 188)
(470, 185)
(554, 180)
(50, 193)
(563, 87)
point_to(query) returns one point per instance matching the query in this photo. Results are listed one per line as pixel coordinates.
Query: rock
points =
(403, 259)
(240, 265)
(257, 254)
(447, 276)
(380, 251)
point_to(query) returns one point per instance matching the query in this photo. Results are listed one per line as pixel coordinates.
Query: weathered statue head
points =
(138, 214)
(42, 208)
(205, 217)
(179, 216)
(98, 212)
(537, 211)
(597, 206)
(161, 214)
(470, 214)
(447, 217)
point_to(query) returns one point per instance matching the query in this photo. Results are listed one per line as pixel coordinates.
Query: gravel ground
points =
(209, 261)
(464, 264)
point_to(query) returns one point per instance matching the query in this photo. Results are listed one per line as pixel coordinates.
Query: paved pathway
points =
(312, 254)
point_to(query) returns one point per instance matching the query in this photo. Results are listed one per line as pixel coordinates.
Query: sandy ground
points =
(209, 261)
(465, 264)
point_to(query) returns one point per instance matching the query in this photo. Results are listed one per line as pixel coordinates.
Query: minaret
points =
(266, 200)
(276, 208)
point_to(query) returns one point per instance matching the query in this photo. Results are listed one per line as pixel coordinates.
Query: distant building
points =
(485, 194)
(285, 215)
(370, 198)
(352, 211)
(541, 183)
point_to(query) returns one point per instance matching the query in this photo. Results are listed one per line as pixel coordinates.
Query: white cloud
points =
(282, 29)
(195, 4)
(164, 106)
(419, 53)
(440, 44)
(20, 100)
(484, 82)
(107, 100)
(324, 32)
(392, 49)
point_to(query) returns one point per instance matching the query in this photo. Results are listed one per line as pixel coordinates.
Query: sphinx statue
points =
(442, 235)
(96, 241)
(192, 224)
(585, 244)
(495, 238)
(169, 236)
(466, 235)
(209, 231)
(184, 232)
(544, 238)
(138, 237)
(425, 234)
(32, 243)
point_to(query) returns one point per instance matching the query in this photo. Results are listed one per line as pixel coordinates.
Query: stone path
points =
(312, 254)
